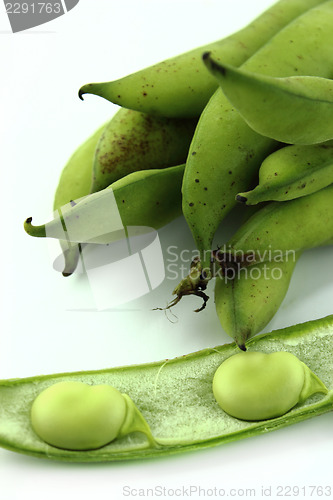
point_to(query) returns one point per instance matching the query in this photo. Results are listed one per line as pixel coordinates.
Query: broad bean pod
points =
(134, 141)
(292, 172)
(180, 87)
(130, 141)
(147, 198)
(294, 110)
(175, 398)
(75, 182)
(247, 301)
(283, 228)
(225, 152)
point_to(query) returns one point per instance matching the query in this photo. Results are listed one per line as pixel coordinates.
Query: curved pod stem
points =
(149, 198)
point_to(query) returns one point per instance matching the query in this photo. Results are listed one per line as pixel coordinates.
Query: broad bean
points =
(258, 386)
(77, 416)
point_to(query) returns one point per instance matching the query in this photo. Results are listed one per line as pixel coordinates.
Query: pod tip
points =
(66, 274)
(241, 198)
(27, 225)
(80, 93)
(34, 230)
(242, 347)
(206, 55)
(212, 65)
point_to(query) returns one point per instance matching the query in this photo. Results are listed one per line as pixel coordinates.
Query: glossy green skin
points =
(77, 416)
(180, 87)
(248, 302)
(292, 172)
(258, 386)
(225, 153)
(291, 226)
(294, 110)
(75, 182)
(175, 397)
(135, 141)
(150, 198)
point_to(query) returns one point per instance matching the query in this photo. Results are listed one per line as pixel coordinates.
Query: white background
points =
(49, 324)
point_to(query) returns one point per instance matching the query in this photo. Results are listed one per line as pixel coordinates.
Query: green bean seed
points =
(76, 416)
(257, 386)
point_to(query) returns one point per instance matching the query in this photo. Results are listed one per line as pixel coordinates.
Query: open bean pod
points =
(175, 397)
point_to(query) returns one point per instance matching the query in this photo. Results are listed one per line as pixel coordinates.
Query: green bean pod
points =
(76, 176)
(283, 228)
(134, 141)
(180, 87)
(75, 182)
(247, 300)
(130, 141)
(225, 152)
(250, 288)
(295, 110)
(148, 198)
(175, 397)
(292, 172)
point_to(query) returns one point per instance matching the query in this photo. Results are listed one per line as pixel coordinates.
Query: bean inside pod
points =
(76, 416)
(258, 386)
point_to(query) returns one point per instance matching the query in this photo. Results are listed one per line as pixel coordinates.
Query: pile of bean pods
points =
(247, 119)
